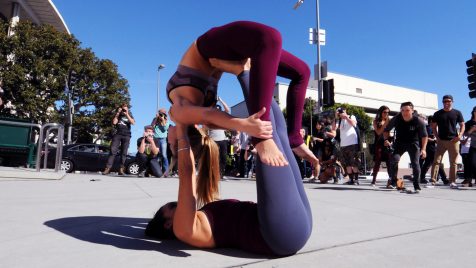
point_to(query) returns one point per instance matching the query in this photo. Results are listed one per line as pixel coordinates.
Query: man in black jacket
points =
(411, 137)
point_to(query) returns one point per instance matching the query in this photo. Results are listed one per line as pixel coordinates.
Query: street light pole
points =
(318, 71)
(161, 66)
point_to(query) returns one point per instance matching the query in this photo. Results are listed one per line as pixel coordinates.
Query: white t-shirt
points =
(348, 135)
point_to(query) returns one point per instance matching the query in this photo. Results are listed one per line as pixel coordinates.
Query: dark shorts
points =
(350, 155)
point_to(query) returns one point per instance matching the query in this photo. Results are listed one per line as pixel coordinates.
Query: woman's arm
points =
(185, 113)
(190, 226)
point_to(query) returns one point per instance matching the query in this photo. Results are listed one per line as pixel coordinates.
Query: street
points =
(89, 220)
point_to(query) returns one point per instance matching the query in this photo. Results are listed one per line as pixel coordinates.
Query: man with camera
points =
(411, 137)
(122, 122)
(161, 126)
(147, 154)
(349, 144)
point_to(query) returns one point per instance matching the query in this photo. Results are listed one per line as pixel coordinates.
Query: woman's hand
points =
(258, 128)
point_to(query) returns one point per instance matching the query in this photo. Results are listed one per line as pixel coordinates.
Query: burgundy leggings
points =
(244, 39)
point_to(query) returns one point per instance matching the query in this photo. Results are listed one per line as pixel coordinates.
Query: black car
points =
(90, 157)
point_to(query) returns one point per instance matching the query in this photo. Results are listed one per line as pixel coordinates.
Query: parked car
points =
(89, 157)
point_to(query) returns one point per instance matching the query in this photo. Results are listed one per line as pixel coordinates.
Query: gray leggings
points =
(284, 213)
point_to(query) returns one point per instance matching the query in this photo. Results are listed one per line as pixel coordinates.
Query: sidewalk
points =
(88, 220)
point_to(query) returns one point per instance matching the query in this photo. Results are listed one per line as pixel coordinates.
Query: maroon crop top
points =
(235, 224)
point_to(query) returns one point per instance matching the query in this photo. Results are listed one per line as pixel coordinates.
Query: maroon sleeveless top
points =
(235, 224)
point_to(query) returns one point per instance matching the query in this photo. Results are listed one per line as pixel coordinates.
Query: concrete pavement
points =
(88, 220)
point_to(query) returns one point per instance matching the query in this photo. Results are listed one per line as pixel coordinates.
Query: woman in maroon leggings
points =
(193, 88)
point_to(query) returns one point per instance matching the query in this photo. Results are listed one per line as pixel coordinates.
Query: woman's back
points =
(235, 224)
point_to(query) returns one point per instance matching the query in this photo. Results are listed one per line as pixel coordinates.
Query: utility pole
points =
(315, 38)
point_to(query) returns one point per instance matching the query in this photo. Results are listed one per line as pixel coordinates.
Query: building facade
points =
(37, 11)
(364, 93)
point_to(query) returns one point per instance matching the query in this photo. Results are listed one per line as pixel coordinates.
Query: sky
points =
(421, 44)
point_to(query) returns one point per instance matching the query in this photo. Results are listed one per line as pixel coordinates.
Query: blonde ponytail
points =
(208, 178)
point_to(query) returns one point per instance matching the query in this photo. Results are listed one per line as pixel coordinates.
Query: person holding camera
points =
(411, 137)
(122, 122)
(147, 154)
(161, 126)
(349, 144)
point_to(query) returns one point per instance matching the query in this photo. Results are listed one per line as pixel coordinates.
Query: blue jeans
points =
(163, 152)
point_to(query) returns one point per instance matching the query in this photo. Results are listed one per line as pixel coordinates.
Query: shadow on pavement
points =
(355, 188)
(127, 233)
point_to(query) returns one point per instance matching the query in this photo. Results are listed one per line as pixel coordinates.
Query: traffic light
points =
(74, 134)
(328, 93)
(471, 64)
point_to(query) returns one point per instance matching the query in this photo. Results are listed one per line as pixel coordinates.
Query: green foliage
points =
(35, 64)
(364, 121)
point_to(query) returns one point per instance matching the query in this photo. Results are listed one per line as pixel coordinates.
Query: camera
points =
(163, 115)
(150, 136)
(340, 110)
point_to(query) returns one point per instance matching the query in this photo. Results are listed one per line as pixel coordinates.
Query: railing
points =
(59, 145)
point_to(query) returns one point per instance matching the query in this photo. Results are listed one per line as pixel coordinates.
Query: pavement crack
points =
(142, 189)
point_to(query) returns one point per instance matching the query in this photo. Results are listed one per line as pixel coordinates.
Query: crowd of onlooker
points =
(335, 141)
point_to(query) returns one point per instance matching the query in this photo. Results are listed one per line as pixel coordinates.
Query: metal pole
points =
(318, 71)
(70, 119)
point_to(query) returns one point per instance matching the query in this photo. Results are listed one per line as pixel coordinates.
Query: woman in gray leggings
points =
(279, 224)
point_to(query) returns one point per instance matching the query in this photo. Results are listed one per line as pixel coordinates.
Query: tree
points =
(35, 65)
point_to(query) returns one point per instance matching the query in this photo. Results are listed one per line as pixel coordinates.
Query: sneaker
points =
(106, 171)
(417, 188)
(141, 174)
(121, 171)
(350, 182)
(423, 181)
(373, 184)
(430, 185)
(453, 186)
(356, 182)
(391, 187)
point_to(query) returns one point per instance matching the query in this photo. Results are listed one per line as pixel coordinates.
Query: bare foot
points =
(270, 154)
(304, 152)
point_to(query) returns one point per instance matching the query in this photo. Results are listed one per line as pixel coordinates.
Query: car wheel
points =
(133, 168)
(67, 165)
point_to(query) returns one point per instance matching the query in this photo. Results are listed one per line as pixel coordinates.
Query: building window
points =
(358, 90)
